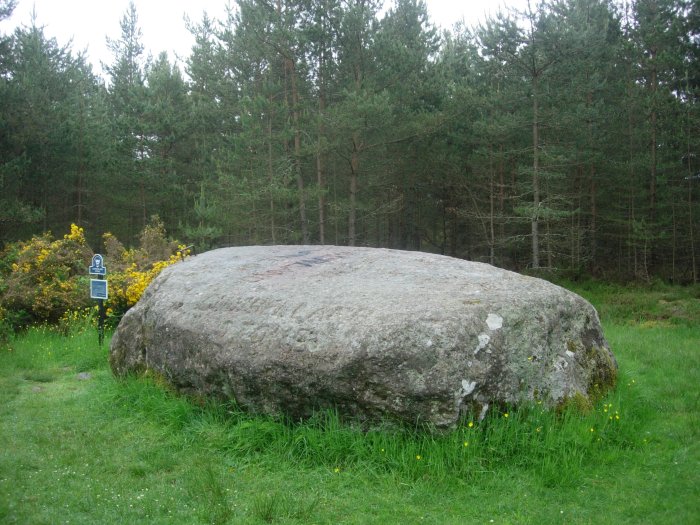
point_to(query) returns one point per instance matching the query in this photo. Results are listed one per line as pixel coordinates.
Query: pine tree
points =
(167, 121)
(46, 141)
(660, 36)
(127, 97)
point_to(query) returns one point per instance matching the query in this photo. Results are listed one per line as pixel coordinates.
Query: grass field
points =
(79, 446)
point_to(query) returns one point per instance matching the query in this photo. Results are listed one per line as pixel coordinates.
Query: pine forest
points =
(565, 137)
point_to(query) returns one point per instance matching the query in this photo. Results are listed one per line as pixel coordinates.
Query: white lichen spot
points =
(569, 353)
(483, 342)
(494, 321)
(429, 343)
(468, 387)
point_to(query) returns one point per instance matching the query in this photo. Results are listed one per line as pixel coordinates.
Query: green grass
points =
(87, 448)
(653, 304)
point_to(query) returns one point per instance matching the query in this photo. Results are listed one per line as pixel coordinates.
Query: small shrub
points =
(47, 277)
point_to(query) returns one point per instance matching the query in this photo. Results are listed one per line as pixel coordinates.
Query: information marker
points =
(97, 267)
(99, 290)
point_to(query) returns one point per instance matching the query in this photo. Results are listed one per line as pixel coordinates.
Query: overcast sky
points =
(89, 22)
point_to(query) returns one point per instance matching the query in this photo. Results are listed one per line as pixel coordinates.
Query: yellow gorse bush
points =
(46, 279)
(45, 275)
(138, 280)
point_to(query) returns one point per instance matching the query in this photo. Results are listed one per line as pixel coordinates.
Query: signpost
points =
(100, 291)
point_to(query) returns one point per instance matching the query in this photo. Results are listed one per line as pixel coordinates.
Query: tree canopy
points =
(564, 137)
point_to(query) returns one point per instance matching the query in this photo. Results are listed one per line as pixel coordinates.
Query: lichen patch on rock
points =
(494, 322)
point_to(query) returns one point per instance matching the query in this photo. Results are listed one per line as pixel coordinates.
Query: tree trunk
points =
(492, 198)
(81, 164)
(271, 174)
(594, 225)
(142, 179)
(653, 159)
(320, 169)
(631, 177)
(535, 178)
(501, 193)
(321, 179)
(693, 262)
(354, 169)
(674, 240)
(297, 152)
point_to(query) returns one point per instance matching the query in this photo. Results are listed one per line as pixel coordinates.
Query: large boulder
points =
(374, 333)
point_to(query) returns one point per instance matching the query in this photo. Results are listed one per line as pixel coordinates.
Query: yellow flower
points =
(418, 457)
(336, 470)
(139, 280)
(43, 254)
(505, 415)
(538, 429)
(76, 234)
(466, 443)
(471, 424)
